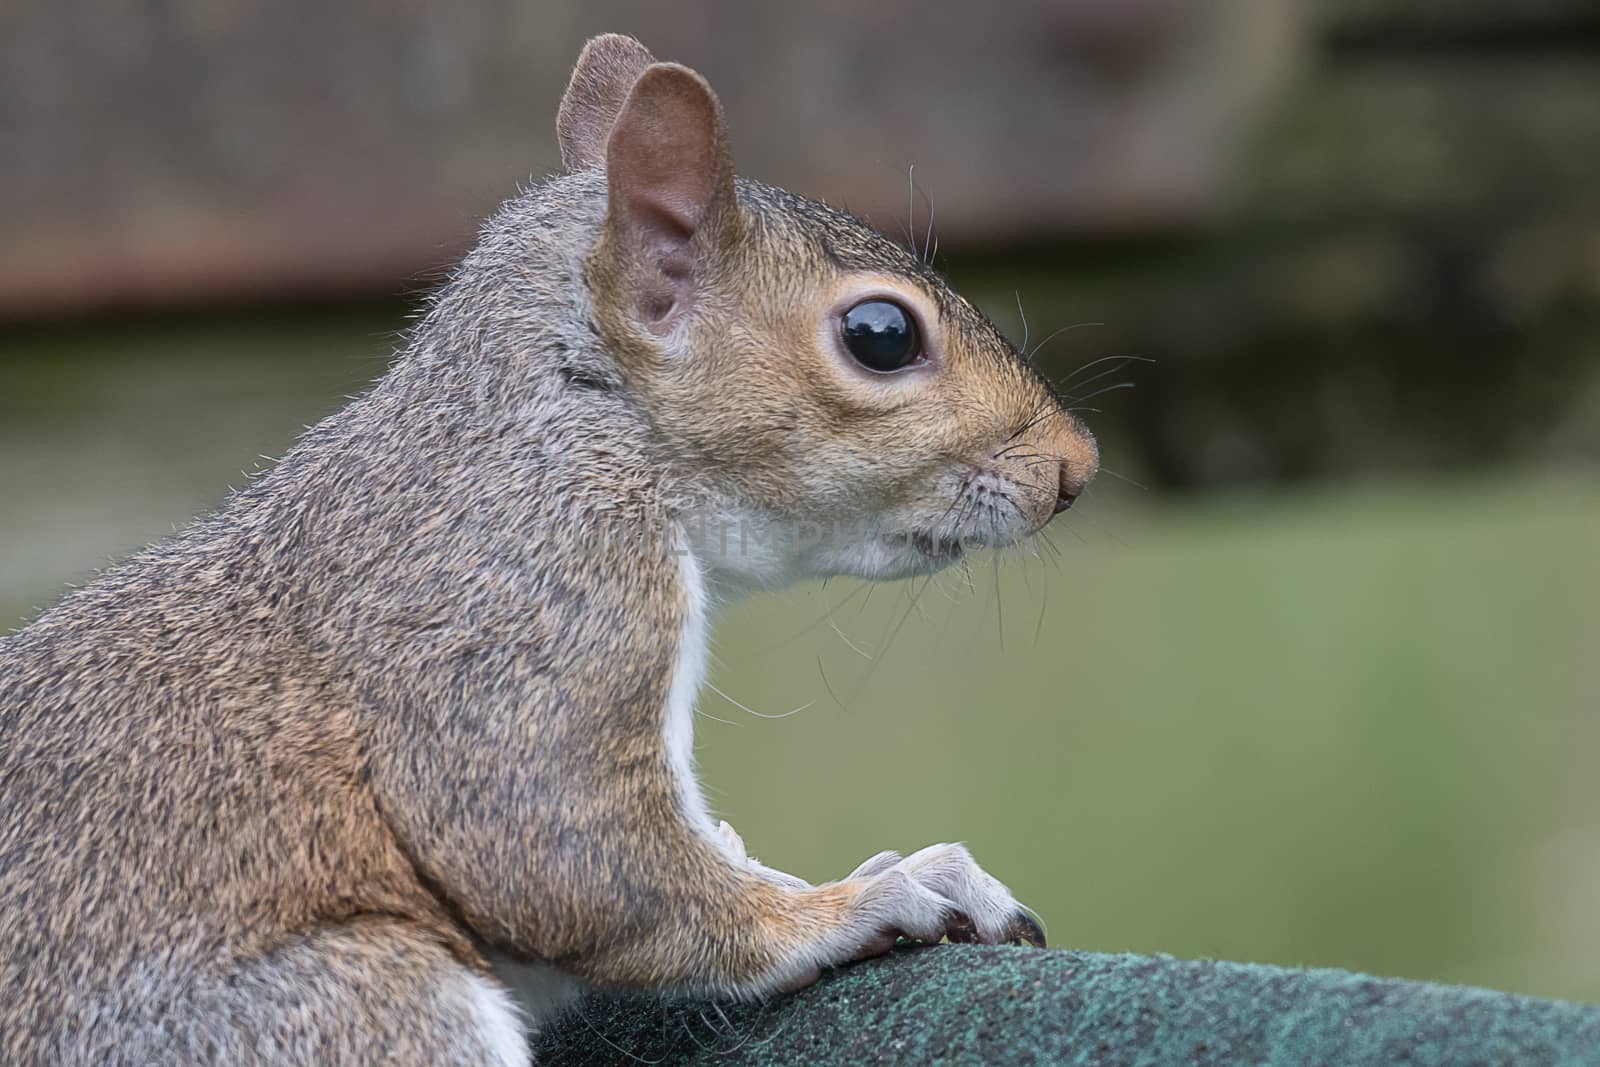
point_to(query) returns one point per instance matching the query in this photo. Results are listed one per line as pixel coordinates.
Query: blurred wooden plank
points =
(202, 149)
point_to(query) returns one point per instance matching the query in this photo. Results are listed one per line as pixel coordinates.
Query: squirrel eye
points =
(881, 335)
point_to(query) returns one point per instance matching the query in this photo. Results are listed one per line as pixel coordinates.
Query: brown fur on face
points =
(774, 415)
(724, 296)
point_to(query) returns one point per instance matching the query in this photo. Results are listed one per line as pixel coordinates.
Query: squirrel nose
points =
(1071, 483)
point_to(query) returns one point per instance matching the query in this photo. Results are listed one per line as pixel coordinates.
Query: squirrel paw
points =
(978, 908)
(985, 911)
(934, 894)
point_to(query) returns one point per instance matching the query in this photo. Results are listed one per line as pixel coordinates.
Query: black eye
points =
(881, 335)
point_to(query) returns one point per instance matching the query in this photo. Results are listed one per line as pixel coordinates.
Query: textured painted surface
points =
(969, 1005)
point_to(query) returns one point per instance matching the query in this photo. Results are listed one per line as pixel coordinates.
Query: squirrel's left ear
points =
(606, 71)
(670, 205)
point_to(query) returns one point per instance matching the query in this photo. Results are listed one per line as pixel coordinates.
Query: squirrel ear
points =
(670, 196)
(606, 70)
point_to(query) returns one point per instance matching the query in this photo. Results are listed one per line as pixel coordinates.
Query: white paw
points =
(939, 892)
(930, 895)
(887, 905)
(895, 904)
(993, 914)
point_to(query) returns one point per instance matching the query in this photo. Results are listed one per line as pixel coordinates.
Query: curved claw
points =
(960, 929)
(1025, 927)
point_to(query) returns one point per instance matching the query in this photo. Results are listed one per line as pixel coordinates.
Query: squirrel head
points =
(835, 405)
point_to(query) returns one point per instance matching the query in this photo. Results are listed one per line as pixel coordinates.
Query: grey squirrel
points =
(321, 778)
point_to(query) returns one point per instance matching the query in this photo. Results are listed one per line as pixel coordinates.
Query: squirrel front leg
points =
(948, 869)
(580, 852)
(541, 784)
(736, 928)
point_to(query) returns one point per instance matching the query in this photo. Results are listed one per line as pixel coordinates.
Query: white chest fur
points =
(688, 673)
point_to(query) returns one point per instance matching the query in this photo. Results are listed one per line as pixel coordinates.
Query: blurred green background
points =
(1311, 679)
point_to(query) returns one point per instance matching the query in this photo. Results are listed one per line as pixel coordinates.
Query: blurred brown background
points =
(1353, 233)
(1314, 678)
(203, 149)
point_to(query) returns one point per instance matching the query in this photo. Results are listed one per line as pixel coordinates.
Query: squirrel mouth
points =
(936, 548)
